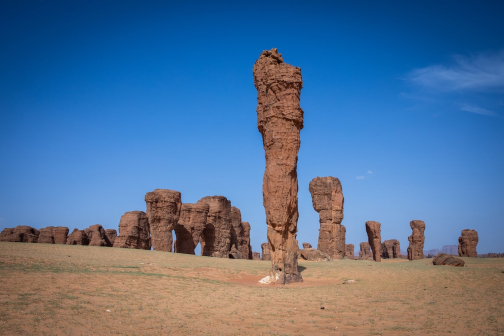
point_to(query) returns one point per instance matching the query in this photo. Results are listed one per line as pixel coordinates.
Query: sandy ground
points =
(83, 290)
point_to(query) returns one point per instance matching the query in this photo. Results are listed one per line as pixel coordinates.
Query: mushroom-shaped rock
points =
(467, 243)
(192, 221)
(365, 251)
(163, 211)
(327, 199)
(78, 237)
(448, 260)
(265, 251)
(349, 251)
(134, 231)
(280, 120)
(216, 237)
(416, 240)
(373, 230)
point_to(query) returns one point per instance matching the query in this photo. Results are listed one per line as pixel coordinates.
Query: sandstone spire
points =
(416, 240)
(280, 120)
(163, 211)
(467, 243)
(134, 231)
(192, 221)
(373, 230)
(216, 237)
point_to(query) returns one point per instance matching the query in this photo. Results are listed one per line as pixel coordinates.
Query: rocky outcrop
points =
(373, 230)
(280, 120)
(111, 235)
(60, 234)
(244, 241)
(450, 249)
(365, 251)
(448, 260)
(236, 232)
(96, 235)
(467, 243)
(163, 212)
(307, 245)
(327, 200)
(46, 235)
(216, 237)
(416, 240)
(20, 234)
(192, 221)
(78, 237)
(391, 249)
(265, 251)
(256, 256)
(349, 251)
(234, 254)
(134, 231)
(312, 254)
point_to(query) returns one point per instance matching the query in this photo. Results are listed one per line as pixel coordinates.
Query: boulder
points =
(307, 245)
(163, 212)
(467, 243)
(312, 254)
(256, 256)
(416, 240)
(349, 251)
(373, 230)
(365, 251)
(134, 231)
(265, 251)
(46, 235)
(391, 249)
(60, 234)
(78, 237)
(448, 260)
(192, 221)
(280, 120)
(20, 234)
(216, 237)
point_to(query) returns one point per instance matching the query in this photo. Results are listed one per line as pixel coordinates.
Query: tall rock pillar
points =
(327, 199)
(416, 240)
(467, 243)
(373, 230)
(280, 120)
(163, 212)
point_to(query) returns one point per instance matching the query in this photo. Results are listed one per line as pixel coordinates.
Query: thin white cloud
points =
(360, 177)
(481, 72)
(478, 110)
(369, 172)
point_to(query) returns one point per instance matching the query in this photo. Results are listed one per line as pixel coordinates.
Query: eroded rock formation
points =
(448, 260)
(307, 245)
(349, 251)
(192, 221)
(416, 240)
(373, 230)
(327, 199)
(134, 231)
(467, 243)
(20, 234)
(236, 233)
(163, 211)
(280, 120)
(265, 251)
(312, 254)
(256, 256)
(78, 237)
(365, 251)
(46, 235)
(216, 237)
(111, 235)
(244, 241)
(96, 235)
(60, 234)
(391, 249)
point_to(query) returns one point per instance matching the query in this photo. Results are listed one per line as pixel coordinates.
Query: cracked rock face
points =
(349, 251)
(265, 251)
(46, 235)
(78, 237)
(192, 221)
(280, 120)
(244, 241)
(416, 240)
(391, 249)
(365, 251)
(327, 199)
(20, 234)
(134, 231)
(60, 234)
(467, 243)
(373, 230)
(163, 212)
(216, 238)
(236, 232)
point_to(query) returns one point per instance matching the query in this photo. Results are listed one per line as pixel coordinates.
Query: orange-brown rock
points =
(236, 232)
(365, 251)
(266, 255)
(448, 260)
(192, 221)
(20, 234)
(349, 251)
(111, 235)
(312, 254)
(60, 234)
(78, 237)
(46, 235)
(244, 241)
(163, 212)
(416, 240)
(373, 230)
(134, 231)
(467, 243)
(327, 199)
(307, 245)
(96, 235)
(216, 238)
(280, 120)
(256, 256)
(391, 249)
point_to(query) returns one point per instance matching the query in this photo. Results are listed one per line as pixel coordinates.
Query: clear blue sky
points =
(103, 101)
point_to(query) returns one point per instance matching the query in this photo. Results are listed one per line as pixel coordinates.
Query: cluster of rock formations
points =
(280, 120)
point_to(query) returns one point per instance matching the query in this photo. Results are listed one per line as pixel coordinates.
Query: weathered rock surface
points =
(450, 249)
(365, 251)
(307, 245)
(467, 243)
(312, 254)
(60, 234)
(391, 249)
(234, 254)
(265, 251)
(216, 237)
(134, 231)
(96, 235)
(192, 221)
(163, 212)
(280, 120)
(373, 230)
(20, 234)
(244, 241)
(256, 256)
(46, 235)
(416, 240)
(111, 235)
(448, 260)
(349, 251)
(78, 237)
(237, 233)
(327, 199)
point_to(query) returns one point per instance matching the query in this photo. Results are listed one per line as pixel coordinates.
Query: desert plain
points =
(52, 289)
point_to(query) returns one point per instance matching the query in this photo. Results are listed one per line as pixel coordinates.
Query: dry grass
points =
(83, 290)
